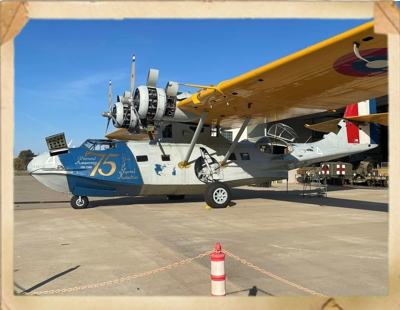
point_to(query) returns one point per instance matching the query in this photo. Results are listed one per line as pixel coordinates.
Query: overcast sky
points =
(62, 67)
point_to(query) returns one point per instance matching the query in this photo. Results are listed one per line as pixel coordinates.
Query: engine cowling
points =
(157, 105)
(151, 106)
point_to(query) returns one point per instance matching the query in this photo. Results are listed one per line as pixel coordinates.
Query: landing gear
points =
(79, 202)
(206, 168)
(217, 195)
(175, 197)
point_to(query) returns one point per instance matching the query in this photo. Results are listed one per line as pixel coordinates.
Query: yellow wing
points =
(331, 126)
(320, 77)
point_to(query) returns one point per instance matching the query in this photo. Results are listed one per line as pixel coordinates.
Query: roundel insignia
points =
(351, 65)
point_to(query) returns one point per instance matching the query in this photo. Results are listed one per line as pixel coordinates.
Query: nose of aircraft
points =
(29, 168)
(38, 162)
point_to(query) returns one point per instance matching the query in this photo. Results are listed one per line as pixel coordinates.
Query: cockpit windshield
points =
(282, 132)
(99, 144)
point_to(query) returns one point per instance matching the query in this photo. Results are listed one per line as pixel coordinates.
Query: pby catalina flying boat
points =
(190, 156)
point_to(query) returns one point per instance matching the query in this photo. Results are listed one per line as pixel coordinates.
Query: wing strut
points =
(234, 143)
(185, 162)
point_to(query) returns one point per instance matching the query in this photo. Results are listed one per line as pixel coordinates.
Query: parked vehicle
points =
(337, 173)
(369, 172)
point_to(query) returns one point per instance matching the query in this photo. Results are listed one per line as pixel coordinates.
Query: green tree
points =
(25, 156)
(19, 164)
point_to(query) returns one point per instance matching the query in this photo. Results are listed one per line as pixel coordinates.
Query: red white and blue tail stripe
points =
(362, 134)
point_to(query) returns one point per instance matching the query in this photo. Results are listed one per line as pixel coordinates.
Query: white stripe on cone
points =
(217, 268)
(218, 288)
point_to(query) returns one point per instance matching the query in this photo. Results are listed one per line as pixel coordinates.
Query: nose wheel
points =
(79, 202)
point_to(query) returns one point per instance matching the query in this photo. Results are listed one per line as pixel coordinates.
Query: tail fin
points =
(360, 133)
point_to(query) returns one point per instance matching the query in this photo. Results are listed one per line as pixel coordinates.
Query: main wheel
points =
(79, 202)
(175, 197)
(217, 195)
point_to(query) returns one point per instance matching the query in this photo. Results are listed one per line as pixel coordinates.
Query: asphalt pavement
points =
(280, 243)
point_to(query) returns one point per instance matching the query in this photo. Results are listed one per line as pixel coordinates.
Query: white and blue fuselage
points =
(107, 168)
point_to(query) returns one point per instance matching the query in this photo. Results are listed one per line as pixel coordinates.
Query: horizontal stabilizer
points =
(331, 126)
(380, 118)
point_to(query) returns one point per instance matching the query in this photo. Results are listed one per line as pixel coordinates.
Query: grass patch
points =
(21, 173)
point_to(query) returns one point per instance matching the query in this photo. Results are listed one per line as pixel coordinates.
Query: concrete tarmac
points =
(335, 245)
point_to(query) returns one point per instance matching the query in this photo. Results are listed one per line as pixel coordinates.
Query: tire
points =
(175, 197)
(79, 202)
(217, 195)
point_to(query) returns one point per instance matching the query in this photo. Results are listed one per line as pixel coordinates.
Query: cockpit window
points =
(282, 132)
(267, 146)
(264, 145)
(99, 145)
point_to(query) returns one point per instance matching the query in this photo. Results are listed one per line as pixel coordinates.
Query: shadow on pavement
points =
(49, 280)
(268, 194)
(252, 291)
(293, 195)
(297, 196)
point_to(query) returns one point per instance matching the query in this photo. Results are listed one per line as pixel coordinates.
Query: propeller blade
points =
(133, 75)
(109, 96)
(138, 117)
(152, 78)
(108, 123)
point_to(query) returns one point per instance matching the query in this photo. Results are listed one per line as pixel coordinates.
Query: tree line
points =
(23, 159)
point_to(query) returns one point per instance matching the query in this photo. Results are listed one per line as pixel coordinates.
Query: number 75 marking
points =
(105, 162)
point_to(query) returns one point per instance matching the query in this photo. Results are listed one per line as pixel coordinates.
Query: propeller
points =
(133, 75)
(122, 101)
(109, 113)
(129, 99)
(126, 113)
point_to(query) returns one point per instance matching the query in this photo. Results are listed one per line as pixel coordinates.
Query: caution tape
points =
(79, 288)
(243, 261)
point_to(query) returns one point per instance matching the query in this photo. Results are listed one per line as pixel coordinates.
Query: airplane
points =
(185, 152)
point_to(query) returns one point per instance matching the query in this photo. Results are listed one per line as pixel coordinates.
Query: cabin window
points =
(227, 135)
(232, 156)
(141, 158)
(245, 156)
(165, 157)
